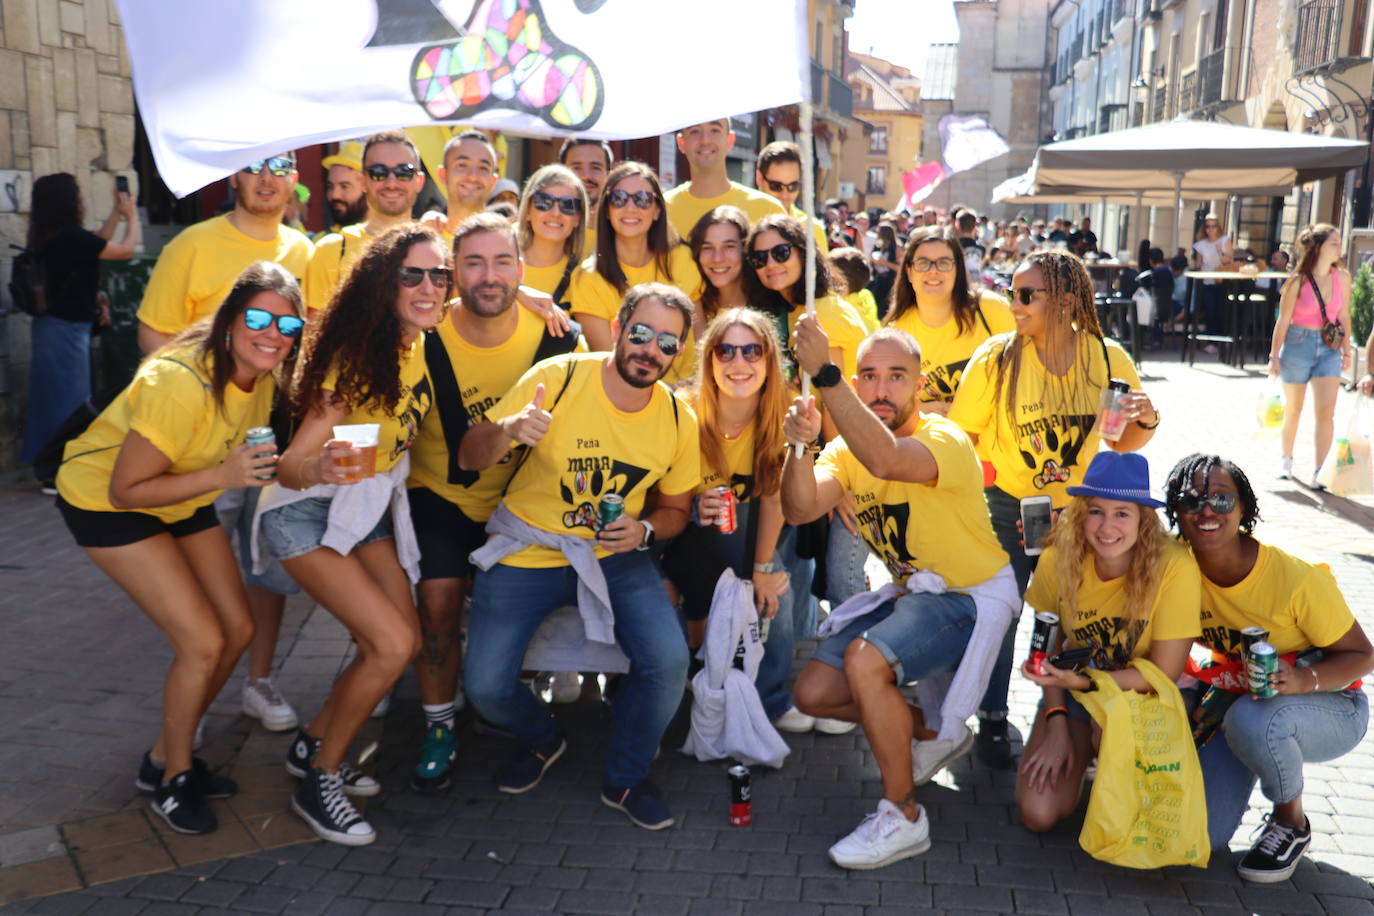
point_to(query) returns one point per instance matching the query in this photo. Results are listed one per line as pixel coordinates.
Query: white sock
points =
(438, 714)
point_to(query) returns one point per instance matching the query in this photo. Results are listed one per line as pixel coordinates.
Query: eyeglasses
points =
(1210, 225)
(1192, 503)
(943, 265)
(640, 334)
(410, 277)
(758, 259)
(752, 352)
(260, 319)
(777, 187)
(279, 166)
(1025, 293)
(378, 172)
(643, 199)
(543, 201)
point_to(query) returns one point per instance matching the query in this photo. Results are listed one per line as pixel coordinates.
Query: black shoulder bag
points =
(1333, 333)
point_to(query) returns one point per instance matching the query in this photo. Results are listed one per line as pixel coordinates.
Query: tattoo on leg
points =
(908, 804)
(439, 645)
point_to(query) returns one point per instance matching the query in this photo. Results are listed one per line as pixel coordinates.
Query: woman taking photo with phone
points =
(1122, 590)
(1030, 399)
(137, 488)
(549, 229)
(342, 529)
(1317, 710)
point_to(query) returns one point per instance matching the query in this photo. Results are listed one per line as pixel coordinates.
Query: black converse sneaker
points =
(212, 785)
(321, 803)
(181, 805)
(1274, 857)
(301, 756)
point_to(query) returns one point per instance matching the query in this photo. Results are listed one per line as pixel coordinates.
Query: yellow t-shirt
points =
(914, 526)
(399, 428)
(739, 459)
(841, 324)
(593, 448)
(545, 279)
(684, 210)
(866, 307)
(484, 374)
(1299, 604)
(196, 270)
(334, 257)
(817, 228)
(1049, 448)
(170, 404)
(945, 351)
(1099, 623)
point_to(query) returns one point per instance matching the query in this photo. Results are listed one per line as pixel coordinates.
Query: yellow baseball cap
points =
(350, 154)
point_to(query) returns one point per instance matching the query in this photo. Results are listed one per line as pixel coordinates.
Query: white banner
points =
(274, 75)
(969, 140)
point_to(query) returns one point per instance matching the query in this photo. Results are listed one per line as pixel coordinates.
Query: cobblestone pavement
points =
(81, 670)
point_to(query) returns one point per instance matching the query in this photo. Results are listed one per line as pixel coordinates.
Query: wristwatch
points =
(648, 535)
(828, 377)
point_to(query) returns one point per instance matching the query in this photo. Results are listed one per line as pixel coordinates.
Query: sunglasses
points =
(279, 166)
(777, 187)
(261, 319)
(410, 277)
(643, 199)
(1025, 293)
(780, 252)
(752, 352)
(640, 334)
(943, 265)
(544, 202)
(378, 172)
(1192, 503)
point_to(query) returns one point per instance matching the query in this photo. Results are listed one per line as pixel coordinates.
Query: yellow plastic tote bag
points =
(1146, 809)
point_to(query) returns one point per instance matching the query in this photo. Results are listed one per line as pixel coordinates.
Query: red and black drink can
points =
(1044, 639)
(741, 801)
(1249, 636)
(728, 521)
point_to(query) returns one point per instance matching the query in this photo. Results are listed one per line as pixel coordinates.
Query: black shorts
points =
(93, 528)
(445, 535)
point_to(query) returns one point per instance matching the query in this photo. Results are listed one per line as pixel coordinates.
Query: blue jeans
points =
(845, 554)
(508, 605)
(776, 664)
(1213, 295)
(920, 634)
(1270, 740)
(59, 378)
(1005, 511)
(1304, 356)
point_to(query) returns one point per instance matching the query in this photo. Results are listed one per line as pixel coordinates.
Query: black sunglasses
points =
(378, 172)
(752, 352)
(260, 319)
(279, 166)
(410, 277)
(1192, 503)
(643, 199)
(640, 334)
(780, 252)
(570, 206)
(1025, 293)
(777, 187)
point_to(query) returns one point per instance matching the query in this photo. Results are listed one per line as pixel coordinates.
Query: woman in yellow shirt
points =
(549, 229)
(1320, 712)
(337, 538)
(1122, 590)
(137, 488)
(717, 246)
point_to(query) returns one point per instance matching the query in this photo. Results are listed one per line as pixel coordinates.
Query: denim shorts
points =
(920, 635)
(237, 516)
(298, 528)
(1305, 356)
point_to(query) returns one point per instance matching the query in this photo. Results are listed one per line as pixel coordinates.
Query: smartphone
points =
(1072, 659)
(1035, 522)
(122, 184)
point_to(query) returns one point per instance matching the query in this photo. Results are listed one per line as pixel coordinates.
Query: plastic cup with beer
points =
(362, 436)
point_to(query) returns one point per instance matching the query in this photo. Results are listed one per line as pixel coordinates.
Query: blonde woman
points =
(549, 225)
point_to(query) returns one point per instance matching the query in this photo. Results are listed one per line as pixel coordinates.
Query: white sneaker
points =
(1315, 484)
(263, 702)
(884, 837)
(1285, 467)
(795, 721)
(565, 686)
(835, 726)
(930, 757)
(384, 706)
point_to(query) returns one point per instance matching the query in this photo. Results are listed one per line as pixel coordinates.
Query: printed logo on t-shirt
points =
(942, 381)
(588, 478)
(741, 484)
(414, 405)
(883, 526)
(1221, 638)
(1110, 640)
(1051, 444)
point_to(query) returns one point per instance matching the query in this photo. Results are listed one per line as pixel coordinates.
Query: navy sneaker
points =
(181, 805)
(1274, 857)
(301, 756)
(321, 802)
(211, 785)
(437, 755)
(529, 765)
(994, 744)
(640, 804)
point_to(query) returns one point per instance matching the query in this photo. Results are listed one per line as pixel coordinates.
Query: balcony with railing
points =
(1213, 87)
(817, 83)
(1318, 35)
(1187, 93)
(841, 98)
(1159, 109)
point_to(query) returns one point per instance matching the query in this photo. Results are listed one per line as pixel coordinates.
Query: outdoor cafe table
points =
(1110, 302)
(1239, 311)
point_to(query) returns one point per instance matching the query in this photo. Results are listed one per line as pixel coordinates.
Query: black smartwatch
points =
(828, 377)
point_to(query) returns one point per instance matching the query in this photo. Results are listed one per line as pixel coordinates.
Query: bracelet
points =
(770, 567)
(1316, 681)
(1152, 425)
(811, 448)
(1056, 711)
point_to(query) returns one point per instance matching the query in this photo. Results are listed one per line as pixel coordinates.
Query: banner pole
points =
(808, 153)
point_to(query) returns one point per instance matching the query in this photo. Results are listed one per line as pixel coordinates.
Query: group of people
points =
(477, 421)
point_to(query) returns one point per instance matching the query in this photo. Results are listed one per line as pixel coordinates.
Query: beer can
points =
(262, 435)
(741, 801)
(1251, 635)
(1261, 661)
(1044, 638)
(728, 521)
(611, 507)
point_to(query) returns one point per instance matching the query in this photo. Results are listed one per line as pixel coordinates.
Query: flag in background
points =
(281, 75)
(966, 141)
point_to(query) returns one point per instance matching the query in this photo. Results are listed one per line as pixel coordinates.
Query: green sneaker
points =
(437, 755)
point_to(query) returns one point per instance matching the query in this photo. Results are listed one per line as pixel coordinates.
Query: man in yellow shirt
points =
(705, 146)
(596, 425)
(393, 179)
(468, 174)
(343, 186)
(917, 485)
(590, 161)
(778, 173)
(474, 358)
(196, 270)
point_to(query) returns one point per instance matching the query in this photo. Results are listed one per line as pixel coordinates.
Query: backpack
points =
(28, 282)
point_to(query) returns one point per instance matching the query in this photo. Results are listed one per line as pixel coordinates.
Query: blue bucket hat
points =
(1122, 476)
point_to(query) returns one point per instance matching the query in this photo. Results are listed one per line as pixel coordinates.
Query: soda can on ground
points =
(262, 436)
(1261, 662)
(611, 507)
(1044, 640)
(728, 521)
(741, 800)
